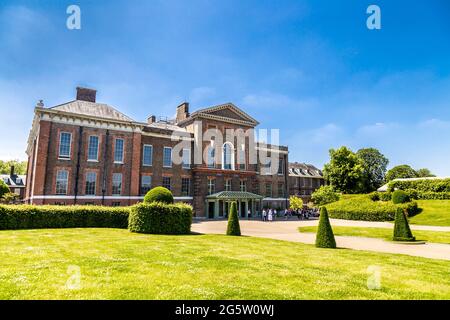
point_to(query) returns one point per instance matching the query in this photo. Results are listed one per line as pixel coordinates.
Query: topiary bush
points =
(159, 194)
(233, 227)
(324, 195)
(400, 196)
(14, 217)
(402, 231)
(325, 236)
(161, 218)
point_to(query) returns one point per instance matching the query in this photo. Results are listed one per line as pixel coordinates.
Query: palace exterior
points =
(85, 152)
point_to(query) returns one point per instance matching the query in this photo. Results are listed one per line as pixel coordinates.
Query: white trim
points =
(171, 157)
(143, 155)
(272, 150)
(89, 146)
(115, 150)
(56, 197)
(70, 146)
(275, 199)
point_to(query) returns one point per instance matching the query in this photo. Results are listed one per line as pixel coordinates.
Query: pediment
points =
(227, 112)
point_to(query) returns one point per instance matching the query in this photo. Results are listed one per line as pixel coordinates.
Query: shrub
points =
(233, 228)
(374, 196)
(324, 195)
(159, 194)
(4, 189)
(400, 196)
(160, 218)
(325, 236)
(428, 195)
(402, 232)
(423, 185)
(14, 217)
(295, 203)
(362, 208)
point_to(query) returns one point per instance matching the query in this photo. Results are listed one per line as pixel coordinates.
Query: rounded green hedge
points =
(160, 218)
(159, 194)
(400, 196)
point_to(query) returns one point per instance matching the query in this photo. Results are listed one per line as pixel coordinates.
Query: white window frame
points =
(66, 180)
(115, 150)
(95, 183)
(64, 157)
(121, 183)
(183, 164)
(211, 155)
(232, 156)
(211, 186)
(226, 185)
(89, 148)
(142, 181)
(151, 155)
(164, 158)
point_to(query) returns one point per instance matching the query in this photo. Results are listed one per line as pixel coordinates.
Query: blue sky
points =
(310, 68)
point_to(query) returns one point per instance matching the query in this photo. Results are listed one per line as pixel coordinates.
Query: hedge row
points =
(159, 218)
(38, 217)
(426, 185)
(413, 194)
(362, 208)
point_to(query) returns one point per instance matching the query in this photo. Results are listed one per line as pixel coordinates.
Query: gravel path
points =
(288, 231)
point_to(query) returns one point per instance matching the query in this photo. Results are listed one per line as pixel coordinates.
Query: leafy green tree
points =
(233, 228)
(20, 167)
(295, 202)
(345, 171)
(4, 189)
(374, 168)
(401, 172)
(424, 172)
(325, 236)
(324, 195)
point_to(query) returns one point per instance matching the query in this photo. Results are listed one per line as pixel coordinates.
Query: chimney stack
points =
(151, 119)
(182, 111)
(86, 94)
(11, 173)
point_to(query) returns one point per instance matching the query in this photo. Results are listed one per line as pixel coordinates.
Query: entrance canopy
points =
(234, 195)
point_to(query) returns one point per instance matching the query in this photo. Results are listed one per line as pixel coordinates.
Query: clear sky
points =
(311, 68)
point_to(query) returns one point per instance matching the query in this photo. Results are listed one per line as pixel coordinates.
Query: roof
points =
(304, 170)
(14, 180)
(94, 109)
(385, 187)
(234, 195)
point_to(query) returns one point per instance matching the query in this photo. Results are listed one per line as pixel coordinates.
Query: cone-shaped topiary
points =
(233, 228)
(159, 194)
(325, 236)
(402, 232)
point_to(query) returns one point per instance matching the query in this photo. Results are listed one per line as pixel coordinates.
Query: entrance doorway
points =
(243, 213)
(211, 210)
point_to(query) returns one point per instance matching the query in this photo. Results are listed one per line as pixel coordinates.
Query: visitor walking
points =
(270, 215)
(264, 215)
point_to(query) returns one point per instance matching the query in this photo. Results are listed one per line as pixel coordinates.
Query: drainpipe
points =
(77, 174)
(105, 161)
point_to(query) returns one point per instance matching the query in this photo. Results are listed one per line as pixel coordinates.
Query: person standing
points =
(270, 215)
(264, 214)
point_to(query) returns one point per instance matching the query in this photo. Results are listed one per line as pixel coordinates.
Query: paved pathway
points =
(288, 230)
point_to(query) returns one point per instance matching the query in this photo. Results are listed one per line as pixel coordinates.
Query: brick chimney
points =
(182, 111)
(151, 119)
(11, 173)
(86, 94)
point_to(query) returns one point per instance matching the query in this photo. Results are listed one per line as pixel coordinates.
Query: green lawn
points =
(435, 213)
(384, 233)
(117, 264)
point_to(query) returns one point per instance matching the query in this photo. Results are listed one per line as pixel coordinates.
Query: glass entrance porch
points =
(218, 204)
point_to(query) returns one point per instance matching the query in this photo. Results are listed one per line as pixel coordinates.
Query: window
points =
(93, 148)
(265, 168)
(167, 157)
(211, 186)
(227, 184)
(65, 141)
(118, 151)
(147, 158)
(116, 204)
(166, 183)
(211, 157)
(186, 159)
(91, 179)
(228, 158)
(185, 186)
(280, 166)
(62, 179)
(281, 193)
(243, 185)
(117, 184)
(146, 184)
(242, 157)
(268, 190)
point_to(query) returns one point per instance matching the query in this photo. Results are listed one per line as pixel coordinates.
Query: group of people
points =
(270, 214)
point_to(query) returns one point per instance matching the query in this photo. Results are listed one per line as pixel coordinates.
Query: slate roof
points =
(304, 170)
(234, 195)
(94, 109)
(16, 181)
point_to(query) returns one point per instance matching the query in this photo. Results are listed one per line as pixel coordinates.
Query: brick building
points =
(304, 179)
(85, 152)
(15, 182)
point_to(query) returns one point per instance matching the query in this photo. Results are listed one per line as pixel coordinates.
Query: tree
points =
(325, 236)
(402, 231)
(344, 171)
(401, 172)
(9, 198)
(374, 168)
(295, 202)
(233, 228)
(424, 172)
(4, 189)
(324, 195)
(20, 167)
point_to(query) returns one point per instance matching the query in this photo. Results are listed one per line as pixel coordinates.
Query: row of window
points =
(62, 182)
(65, 142)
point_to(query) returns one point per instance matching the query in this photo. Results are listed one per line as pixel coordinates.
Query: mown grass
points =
(117, 264)
(383, 233)
(434, 213)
